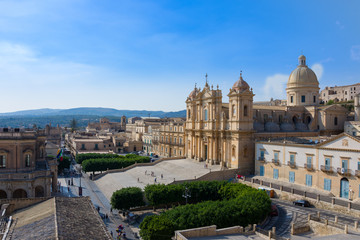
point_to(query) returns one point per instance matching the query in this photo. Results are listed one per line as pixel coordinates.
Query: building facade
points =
(224, 133)
(340, 93)
(25, 171)
(171, 138)
(105, 124)
(221, 133)
(332, 165)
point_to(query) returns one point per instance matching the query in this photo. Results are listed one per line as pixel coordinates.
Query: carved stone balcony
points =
(308, 167)
(291, 164)
(261, 159)
(276, 162)
(344, 171)
(327, 169)
(357, 173)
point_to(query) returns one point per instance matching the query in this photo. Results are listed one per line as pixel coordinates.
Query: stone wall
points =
(18, 203)
(322, 229)
(209, 231)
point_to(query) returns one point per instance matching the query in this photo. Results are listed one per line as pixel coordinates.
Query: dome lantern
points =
(302, 60)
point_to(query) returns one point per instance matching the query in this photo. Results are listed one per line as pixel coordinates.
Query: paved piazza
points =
(179, 169)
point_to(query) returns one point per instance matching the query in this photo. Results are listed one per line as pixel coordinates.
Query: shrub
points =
(84, 156)
(102, 164)
(251, 207)
(126, 198)
(239, 204)
(156, 227)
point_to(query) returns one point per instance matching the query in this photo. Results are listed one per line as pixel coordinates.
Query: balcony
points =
(357, 173)
(308, 167)
(344, 171)
(276, 162)
(327, 169)
(291, 164)
(261, 159)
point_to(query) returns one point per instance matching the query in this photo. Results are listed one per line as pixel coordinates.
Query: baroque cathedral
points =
(224, 133)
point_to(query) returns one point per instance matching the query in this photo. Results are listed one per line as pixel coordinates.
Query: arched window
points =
(205, 114)
(245, 111)
(189, 113)
(233, 151)
(233, 109)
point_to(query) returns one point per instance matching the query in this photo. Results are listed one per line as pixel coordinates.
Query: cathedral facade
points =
(224, 133)
(221, 133)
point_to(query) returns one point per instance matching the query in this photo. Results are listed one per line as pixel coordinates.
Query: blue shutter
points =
(276, 173)
(327, 184)
(262, 171)
(309, 180)
(291, 177)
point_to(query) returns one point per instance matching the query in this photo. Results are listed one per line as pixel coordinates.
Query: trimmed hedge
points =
(102, 164)
(126, 198)
(85, 156)
(243, 205)
(158, 194)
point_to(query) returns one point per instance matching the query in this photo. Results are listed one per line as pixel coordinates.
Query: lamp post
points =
(186, 194)
(80, 188)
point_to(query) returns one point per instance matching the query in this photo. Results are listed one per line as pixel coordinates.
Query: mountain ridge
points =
(93, 111)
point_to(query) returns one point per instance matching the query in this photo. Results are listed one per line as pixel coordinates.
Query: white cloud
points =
(355, 52)
(275, 87)
(318, 69)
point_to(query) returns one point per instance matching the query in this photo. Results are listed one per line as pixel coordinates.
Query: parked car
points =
(274, 210)
(303, 203)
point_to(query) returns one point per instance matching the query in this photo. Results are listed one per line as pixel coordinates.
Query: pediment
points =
(341, 141)
(335, 107)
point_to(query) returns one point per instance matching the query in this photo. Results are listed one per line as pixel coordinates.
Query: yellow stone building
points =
(171, 138)
(25, 172)
(221, 133)
(224, 133)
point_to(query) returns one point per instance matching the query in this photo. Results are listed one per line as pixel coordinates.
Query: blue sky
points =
(149, 54)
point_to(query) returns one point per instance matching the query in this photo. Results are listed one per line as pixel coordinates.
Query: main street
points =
(98, 199)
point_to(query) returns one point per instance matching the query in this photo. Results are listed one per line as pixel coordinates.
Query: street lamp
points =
(80, 188)
(186, 194)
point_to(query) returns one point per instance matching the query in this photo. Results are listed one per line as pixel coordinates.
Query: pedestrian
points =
(138, 180)
(111, 209)
(155, 180)
(162, 176)
(111, 233)
(145, 172)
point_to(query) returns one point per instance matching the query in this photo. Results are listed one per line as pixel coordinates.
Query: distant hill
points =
(83, 116)
(88, 111)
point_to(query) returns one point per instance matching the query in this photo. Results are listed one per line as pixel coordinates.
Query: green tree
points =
(73, 124)
(156, 227)
(126, 198)
(330, 102)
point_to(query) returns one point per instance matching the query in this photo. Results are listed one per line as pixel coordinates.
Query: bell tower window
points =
(314, 99)
(245, 111)
(303, 98)
(291, 99)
